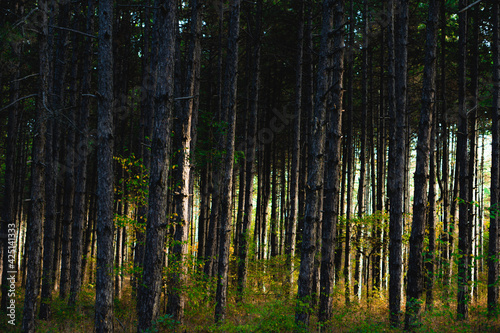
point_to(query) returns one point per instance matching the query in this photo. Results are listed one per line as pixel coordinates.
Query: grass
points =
(266, 308)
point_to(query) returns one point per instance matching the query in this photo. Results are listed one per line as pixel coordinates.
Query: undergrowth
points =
(266, 306)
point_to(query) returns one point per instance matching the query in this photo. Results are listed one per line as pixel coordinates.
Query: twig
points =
(183, 98)
(17, 100)
(24, 78)
(469, 6)
(73, 30)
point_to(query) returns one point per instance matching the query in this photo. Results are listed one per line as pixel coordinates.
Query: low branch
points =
(17, 100)
(73, 30)
(469, 6)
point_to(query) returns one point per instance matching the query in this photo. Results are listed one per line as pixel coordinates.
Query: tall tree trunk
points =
(34, 232)
(462, 162)
(332, 174)
(149, 291)
(415, 275)
(430, 265)
(250, 156)
(362, 155)
(79, 214)
(104, 274)
(229, 108)
(493, 269)
(316, 170)
(350, 159)
(295, 162)
(398, 35)
(184, 113)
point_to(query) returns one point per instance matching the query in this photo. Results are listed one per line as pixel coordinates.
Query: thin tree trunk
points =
(79, 214)
(462, 162)
(332, 174)
(104, 274)
(316, 170)
(184, 114)
(398, 35)
(493, 269)
(149, 290)
(34, 233)
(250, 158)
(415, 274)
(229, 108)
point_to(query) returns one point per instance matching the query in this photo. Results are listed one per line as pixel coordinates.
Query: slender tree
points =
(104, 224)
(184, 114)
(493, 269)
(149, 290)
(34, 230)
(397, 48)
(415, 284)
(316, 170)
(332, 174)
(463, 164)
(229, 108)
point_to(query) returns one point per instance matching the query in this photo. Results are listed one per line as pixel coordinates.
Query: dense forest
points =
(249, 166)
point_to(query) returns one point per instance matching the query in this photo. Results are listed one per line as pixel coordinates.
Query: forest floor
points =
(265, 309)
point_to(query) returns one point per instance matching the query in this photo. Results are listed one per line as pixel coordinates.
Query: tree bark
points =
(81, 150)
(332, 174)
(463, 164)
(34, 232)
(397, 43)
(415, 274)
(229, 108)
(493, 269)
(316, 170)
(149, 290)
(104, 273)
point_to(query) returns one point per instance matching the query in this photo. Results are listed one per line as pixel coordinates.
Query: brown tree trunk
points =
(332, 174)
(34, 232)
(316, 170)
(415, 274)
(250, 157)
(104, 274)
(462, 162)
(149, 291)
(229, 108)
(398, 35)
(184, 113)
(493, 269)
(81, 150)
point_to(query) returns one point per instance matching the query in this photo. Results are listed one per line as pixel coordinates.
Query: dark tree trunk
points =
(463, 163)
(229, 109)
(316, 170)
(250, 156)
(398, 35)
(350, 160)
(34, 232)
(104, 273)
(332, 174)
(415, 275)
(184, 114)
(493, 269)
(149, 290)
(9, 225)
(81, 150)
(431, 221)
(294, 172)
